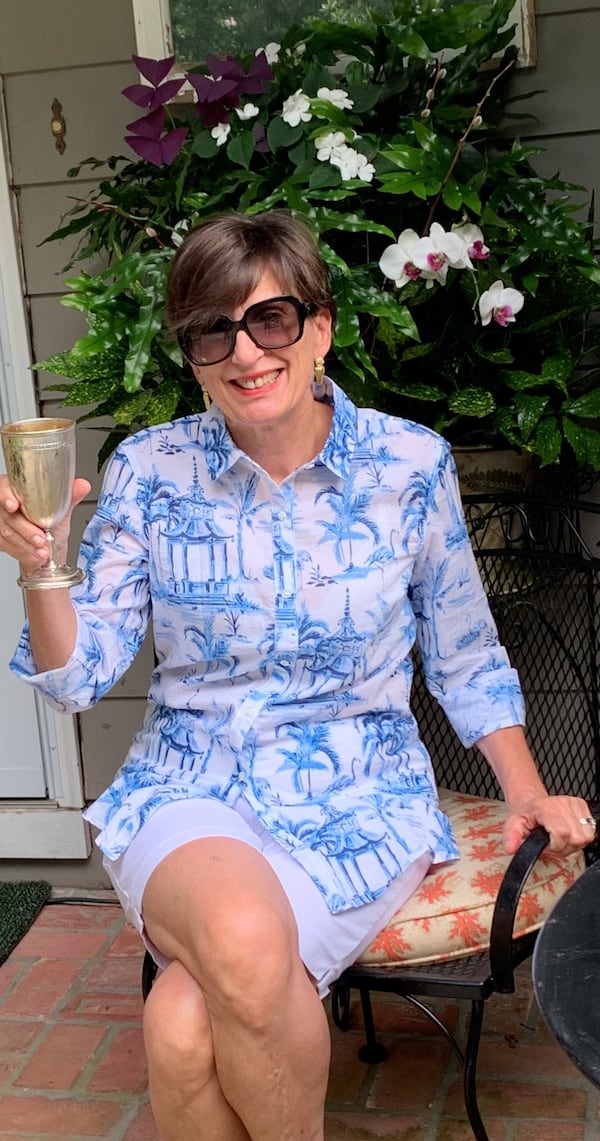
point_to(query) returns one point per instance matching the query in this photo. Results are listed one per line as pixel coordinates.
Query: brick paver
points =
(72, 1064)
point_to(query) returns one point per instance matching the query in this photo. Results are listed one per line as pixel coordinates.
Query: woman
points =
(277, 806)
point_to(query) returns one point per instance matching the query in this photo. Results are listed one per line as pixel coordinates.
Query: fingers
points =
(81, 488)
(566, 819)
(23, 540)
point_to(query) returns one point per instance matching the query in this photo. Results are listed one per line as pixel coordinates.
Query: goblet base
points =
(51, 578)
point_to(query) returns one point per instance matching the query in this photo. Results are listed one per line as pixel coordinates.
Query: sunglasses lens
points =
(273, 324)
(213, 345)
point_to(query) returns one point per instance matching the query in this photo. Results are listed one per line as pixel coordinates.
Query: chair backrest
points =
(540, 566)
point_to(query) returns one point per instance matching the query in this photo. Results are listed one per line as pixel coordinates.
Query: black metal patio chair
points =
(542, 575)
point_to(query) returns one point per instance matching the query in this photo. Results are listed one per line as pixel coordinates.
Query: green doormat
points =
(19, 905)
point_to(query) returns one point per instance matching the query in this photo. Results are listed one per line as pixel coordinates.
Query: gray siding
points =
(566, 109)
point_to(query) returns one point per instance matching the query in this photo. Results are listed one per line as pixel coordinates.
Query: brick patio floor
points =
(72, 1063)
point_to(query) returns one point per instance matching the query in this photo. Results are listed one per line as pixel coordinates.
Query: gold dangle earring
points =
(206, 398)
(319, 367)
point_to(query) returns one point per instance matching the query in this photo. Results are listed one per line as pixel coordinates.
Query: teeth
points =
(258, 381)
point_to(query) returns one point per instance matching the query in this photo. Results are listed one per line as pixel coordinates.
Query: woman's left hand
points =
(565, 818)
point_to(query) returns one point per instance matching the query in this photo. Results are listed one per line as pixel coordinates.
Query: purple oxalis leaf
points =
(225, 67)
(148, 149)
(139, 93)
(166, 92)
(211, 114)
(212, 90)
(260, 138)
(172, 144)
(150, 126)
(154, 70)
(259, 70)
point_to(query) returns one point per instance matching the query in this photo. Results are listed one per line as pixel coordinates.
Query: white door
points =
(41, 791)
(21, 762)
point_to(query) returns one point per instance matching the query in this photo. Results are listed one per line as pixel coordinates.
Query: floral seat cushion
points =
(451, 913)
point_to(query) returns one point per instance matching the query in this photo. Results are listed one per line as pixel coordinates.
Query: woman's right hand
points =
(25, 541)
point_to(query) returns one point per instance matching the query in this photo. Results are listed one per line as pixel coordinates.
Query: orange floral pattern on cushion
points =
(451, 913)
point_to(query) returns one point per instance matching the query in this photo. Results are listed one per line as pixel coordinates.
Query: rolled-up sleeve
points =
(466, 668)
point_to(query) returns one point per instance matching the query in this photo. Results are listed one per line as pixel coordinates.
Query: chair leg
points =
(149, 969)
(372, 1051)
(470, 1071)
(340, 1006)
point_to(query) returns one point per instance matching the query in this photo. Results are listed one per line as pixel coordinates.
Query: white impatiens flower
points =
(337, 97)
(500, 303)
(179, 232)
(333, 148)
(352, 164)
(473, 239)
(329, 144)
(434, 254)
(220, 133)
(396, 262)
(271, 51)
(248, 111)
(364, 169)
(296, 109)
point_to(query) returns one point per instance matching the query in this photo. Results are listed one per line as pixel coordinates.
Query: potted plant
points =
(463, 280)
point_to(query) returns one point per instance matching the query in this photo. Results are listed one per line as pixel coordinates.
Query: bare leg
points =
(184, 1087)
(217, 907)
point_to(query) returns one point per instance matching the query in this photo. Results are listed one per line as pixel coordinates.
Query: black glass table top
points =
(566, 972)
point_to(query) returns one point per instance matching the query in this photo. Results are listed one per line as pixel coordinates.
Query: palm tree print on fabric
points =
(284, 619)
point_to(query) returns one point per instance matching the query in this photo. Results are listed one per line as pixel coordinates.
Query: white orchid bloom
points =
(500, 303)
(271, 51)
(436, 253)
(296, 109)
(396, 262)
(220, 133)
(248, 111)
(337, 97)
(473, 239)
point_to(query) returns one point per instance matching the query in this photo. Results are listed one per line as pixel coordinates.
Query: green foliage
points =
(430, 134)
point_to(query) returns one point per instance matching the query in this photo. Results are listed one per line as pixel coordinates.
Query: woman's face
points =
(256, 387)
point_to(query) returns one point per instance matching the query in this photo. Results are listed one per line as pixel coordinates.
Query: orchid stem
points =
(461, 142)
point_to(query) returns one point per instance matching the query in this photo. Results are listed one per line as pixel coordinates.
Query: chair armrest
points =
(507, 902)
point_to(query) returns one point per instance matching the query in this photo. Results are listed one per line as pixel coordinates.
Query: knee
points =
(177, 1031)
(252, 959)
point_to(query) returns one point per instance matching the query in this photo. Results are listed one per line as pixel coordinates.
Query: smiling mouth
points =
(255, 382)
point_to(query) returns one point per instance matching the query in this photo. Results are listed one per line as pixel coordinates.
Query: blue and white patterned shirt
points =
(283, 619)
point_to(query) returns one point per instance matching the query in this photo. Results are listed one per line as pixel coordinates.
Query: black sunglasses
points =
(272, 324)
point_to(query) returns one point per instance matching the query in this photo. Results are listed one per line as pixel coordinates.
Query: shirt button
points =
(281, 515)
(286, 594)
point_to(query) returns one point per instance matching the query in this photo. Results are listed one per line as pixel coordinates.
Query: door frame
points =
(52, 828)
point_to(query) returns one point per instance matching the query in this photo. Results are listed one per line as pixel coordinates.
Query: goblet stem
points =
(50, 563)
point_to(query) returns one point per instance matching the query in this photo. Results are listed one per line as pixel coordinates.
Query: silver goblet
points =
(40, 465)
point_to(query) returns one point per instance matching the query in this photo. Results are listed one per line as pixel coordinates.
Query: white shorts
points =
(328, 943)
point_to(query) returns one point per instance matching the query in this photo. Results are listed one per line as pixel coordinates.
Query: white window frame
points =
(153, 28)
(53, 828)
(155, 39)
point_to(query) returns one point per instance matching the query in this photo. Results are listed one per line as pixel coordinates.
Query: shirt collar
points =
(222, 453)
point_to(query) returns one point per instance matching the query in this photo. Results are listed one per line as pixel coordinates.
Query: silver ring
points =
(589, 820)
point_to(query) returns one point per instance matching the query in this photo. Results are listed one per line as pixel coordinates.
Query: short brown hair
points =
(221, 262)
